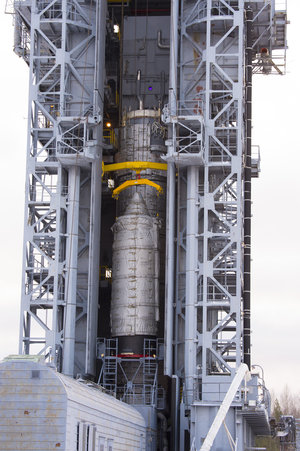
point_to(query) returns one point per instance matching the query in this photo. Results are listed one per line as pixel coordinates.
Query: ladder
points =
(110, 364)
(150, 369)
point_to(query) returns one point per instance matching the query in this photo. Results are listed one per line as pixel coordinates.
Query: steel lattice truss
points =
(209, 155)
(64, 116)
(209, 122)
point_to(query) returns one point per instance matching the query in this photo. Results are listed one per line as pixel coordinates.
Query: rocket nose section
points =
(137, 206)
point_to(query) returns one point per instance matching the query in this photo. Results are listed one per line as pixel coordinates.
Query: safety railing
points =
(280, 5)
(190, 108)
(109, 137)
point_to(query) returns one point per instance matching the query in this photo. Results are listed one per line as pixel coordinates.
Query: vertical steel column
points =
(71, 270)
(191, 281)
(96, 185)
(171, 187)
(247, 191)
(94, 258)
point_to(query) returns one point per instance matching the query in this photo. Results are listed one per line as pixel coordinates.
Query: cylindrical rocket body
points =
(139, 235)
(134, 304)
(142, 139)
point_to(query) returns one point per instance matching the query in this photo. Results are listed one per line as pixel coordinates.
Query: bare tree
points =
(276, 411)
(290, 402)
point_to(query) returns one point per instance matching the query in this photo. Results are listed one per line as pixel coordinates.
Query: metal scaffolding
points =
(76, 62)
(62, 42)
(209, 120)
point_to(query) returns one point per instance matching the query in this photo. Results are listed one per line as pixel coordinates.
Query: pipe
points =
(156, 275)
(170, 256)
(18, 49)
(159, 42)
(173, 56)
(138, 79)
(171, 184)
(174, 413)
(247, 193)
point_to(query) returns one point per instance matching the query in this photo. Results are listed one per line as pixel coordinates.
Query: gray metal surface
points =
(142, 53)
(135, 284)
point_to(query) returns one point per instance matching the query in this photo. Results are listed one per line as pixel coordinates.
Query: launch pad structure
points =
(137, 231)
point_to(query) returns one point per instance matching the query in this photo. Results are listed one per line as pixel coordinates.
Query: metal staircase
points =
(150, 369)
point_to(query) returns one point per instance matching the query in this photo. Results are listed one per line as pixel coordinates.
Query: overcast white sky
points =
(276, 220)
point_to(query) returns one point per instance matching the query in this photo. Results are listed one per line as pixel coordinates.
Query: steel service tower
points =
(137, 232)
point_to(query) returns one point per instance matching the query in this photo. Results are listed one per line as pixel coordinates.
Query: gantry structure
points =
(220, 45)
(204, 119)
(62, 42)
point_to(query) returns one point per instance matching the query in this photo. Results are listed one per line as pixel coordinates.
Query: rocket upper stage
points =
(134, 304)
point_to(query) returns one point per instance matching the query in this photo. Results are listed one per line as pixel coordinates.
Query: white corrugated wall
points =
(33, 406)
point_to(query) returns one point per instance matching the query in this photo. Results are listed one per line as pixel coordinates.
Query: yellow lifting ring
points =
(135, 166)
(128, 183)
